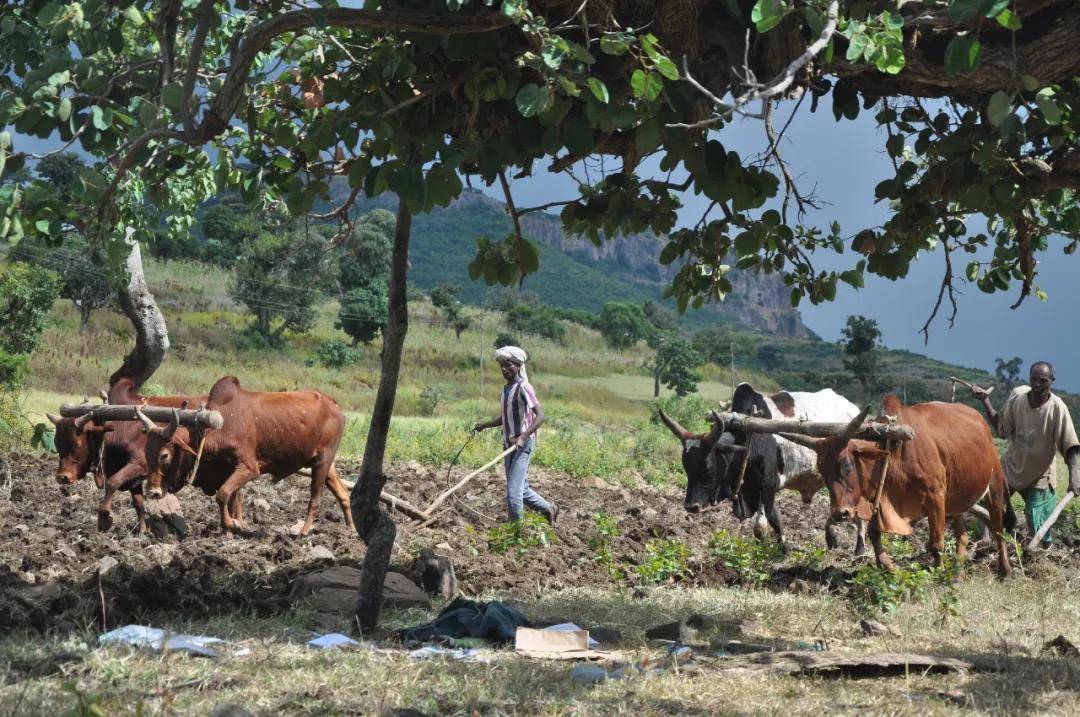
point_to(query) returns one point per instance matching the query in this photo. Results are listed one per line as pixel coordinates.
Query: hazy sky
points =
(844, 161)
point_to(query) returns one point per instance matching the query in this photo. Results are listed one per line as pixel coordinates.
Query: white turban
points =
(515, 354)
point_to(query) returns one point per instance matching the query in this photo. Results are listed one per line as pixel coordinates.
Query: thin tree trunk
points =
(374, 526)
(84, 318)
(151, 333)
(656, 380)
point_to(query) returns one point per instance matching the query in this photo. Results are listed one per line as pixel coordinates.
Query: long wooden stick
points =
(391, 500)
(1045, 527)
(962, 382)
(457, 486)
(158, 414)
(870, 431)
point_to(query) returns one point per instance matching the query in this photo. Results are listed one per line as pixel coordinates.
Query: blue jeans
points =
(518, 492)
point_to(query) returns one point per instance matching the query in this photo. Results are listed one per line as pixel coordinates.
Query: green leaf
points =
(1030, 83)
(857, 44)
(1009, 20)
(173, 96)
(962, 54)
(646, 84)
(612, 44)
(5, 140)
(999, 107)
(63, 110)
(667, 68)
(1050, 109)
(962, 10)
(852, 278)
(767, 14)
(599, 89)
(891, 61)
(649, 136)
(100, 118)
(532, 100)
(993, 8)
(134, 16)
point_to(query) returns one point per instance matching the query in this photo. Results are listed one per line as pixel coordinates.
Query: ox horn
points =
(81, 421)
(807, 441)
(53, 418)
(855, 425)
(717, 427)
(681, 433)
(170, 429)
(103, 396)
(148, 425)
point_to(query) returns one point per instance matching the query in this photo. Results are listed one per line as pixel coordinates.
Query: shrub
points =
(336, 354)
(750, 559)
(521, 536)
(505, 339)
(607, 531)
(664, 560)
(430, 398)
(875, 590)
(687, 410)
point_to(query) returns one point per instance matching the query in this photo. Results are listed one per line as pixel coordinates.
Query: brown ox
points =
(941, 473)
(79, 444)
(264, 432)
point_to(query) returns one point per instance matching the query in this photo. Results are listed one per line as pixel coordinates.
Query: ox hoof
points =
(104, 521)
(297, 529)
(860, 551)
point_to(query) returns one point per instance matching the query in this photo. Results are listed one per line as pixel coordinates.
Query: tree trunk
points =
(656, 381)
(84, 317)
(374, 525)
(151, 334)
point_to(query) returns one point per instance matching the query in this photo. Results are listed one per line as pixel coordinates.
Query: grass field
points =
(598, 401)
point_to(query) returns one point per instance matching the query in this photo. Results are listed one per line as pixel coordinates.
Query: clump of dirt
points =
(51, 550)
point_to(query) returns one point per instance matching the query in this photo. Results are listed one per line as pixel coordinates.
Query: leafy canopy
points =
(184, 99)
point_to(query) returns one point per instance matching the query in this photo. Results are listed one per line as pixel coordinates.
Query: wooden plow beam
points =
(158, 414)
(870, 430)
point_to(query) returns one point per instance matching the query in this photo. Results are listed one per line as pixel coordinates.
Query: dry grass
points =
(283, 676)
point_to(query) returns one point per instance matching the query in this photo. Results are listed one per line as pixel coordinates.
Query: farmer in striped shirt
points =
(520, 418)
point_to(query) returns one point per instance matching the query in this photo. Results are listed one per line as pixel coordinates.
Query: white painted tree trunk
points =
(151, 334)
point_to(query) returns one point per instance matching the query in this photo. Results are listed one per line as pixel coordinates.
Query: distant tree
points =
(538, 321)
(623, 324)
(506, 299)
(660, 317)
(362, 314)
(82, 279)
(1008, 372)
(363, 275)
(26, 295)
(62, 172)
(444, 297)
(769, 356)
(674, 364)
(717, 344)
(277, 277)
(860, 342)
(227, 227)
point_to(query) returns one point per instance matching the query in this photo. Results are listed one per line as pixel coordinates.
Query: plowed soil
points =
(50, 548)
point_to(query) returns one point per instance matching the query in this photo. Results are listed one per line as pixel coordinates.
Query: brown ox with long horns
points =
(941, 473)
(79, 443)
(264, 432)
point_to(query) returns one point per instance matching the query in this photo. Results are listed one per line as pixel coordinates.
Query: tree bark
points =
(151, 333)
(373, 525)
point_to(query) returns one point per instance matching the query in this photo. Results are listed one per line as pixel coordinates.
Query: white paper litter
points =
(571, 627)
(163, 641)
(331, 640)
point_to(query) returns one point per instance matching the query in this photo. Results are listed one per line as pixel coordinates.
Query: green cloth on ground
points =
(1038, 505)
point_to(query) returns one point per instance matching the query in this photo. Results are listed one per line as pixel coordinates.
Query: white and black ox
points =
(713, 461)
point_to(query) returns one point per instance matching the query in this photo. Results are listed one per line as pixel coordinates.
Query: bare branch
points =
(202, 27)
(946, 286)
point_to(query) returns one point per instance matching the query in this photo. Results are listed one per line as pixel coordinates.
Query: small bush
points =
(607, 531)
(430, 398)
(521, 536)
(505, 339)
(750, 559)
(664, 560)
(875, 590)
(336, 354)
(690, 411)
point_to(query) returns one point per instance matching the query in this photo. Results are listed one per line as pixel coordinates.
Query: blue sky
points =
(843, 161)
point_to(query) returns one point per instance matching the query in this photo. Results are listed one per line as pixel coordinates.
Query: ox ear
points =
(872, 453)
